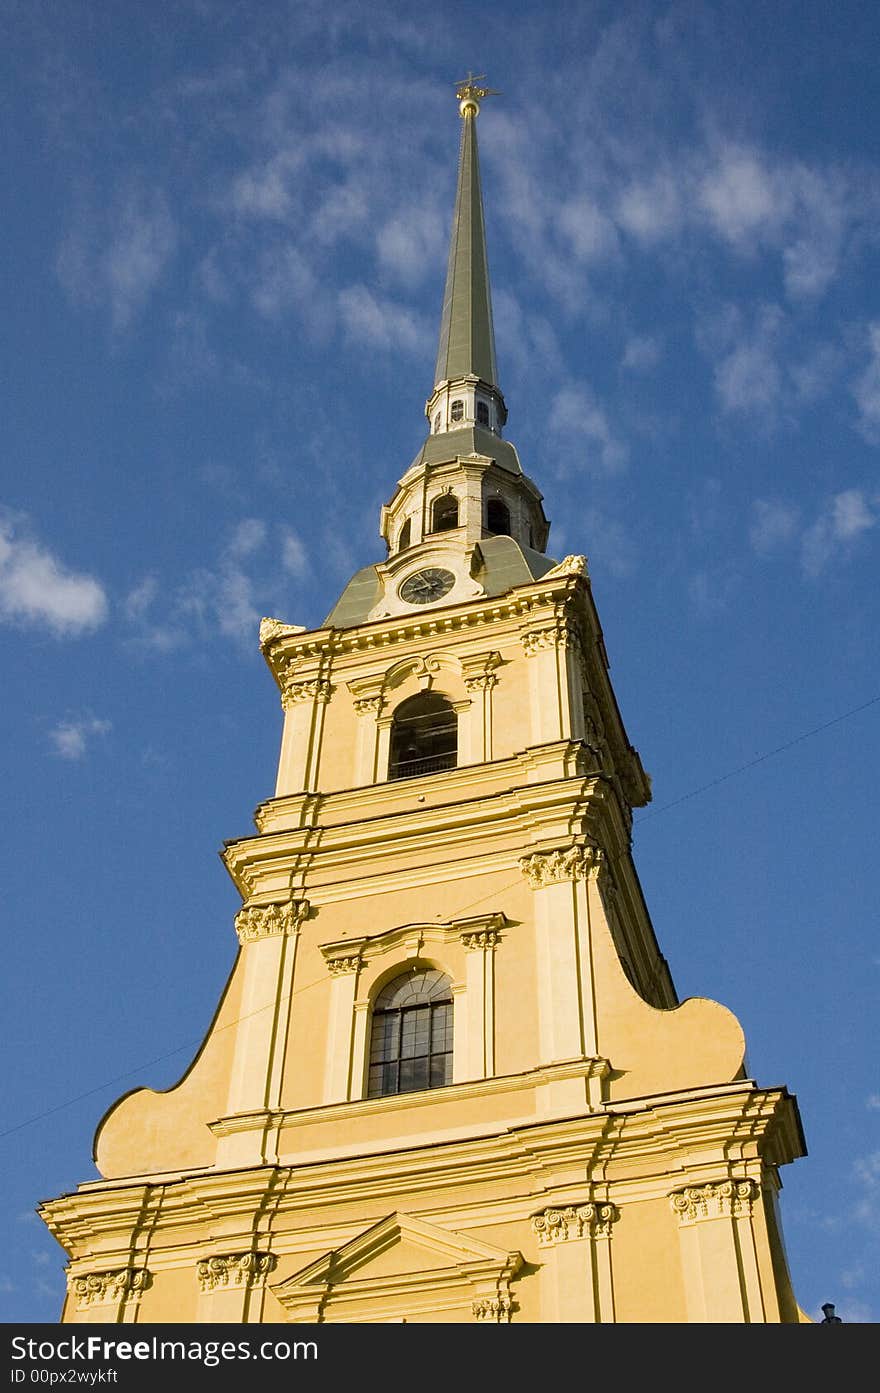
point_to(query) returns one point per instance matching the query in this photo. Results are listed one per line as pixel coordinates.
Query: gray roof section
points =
(506, 565)
(467, 340)
(470, 440)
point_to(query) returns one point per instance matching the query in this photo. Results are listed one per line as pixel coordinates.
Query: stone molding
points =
(566, 863)
(316, 689)
(575, 1221)
(718, 1199)
(496, 1310)
(102, 1288)
(234, 1270)
(267, 921)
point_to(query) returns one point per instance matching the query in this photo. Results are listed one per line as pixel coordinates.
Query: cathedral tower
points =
(450, 1078)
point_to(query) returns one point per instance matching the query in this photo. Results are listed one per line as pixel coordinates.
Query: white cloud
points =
(117, 257)
(642, 351)
(651, 209)
(267, 189)
(248, 536)
(867, 1172)
(71, 738)
(712, 591)
(577, 418)
(741, 198)
(37, 590)
(773, 524)
(846, 516)
(867, 389)
(228, 597)
(380, 323)
(411, 244)
(749, 377)
(293, 554)
(873, 1102)
(589, 232)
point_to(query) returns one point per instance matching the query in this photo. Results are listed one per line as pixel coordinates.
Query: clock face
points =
(424, 587)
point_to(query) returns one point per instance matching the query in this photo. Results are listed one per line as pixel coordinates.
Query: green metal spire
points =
(467, 339)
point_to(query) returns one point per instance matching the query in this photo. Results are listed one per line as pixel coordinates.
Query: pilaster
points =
(232, 1287)
(576, 1282)
(718, 1251)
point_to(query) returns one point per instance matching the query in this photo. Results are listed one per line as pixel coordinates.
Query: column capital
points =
(716, 1199)
(590, 1220)
(103, 1288)
(268, 921)
(234, 1270)
(564, 863)
(495, 1310)
(315, 689)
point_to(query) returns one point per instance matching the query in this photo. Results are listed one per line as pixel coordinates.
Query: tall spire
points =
(467, 340)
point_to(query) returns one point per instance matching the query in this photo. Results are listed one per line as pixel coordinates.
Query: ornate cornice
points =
(719, 1199)
(571, 863)
(234, 1270)
(575, 1221)
(266, 921)
(315, 689)
(101, 1288)
(495, 1309)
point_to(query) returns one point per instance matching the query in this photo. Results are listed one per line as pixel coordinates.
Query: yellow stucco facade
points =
(595, 1152)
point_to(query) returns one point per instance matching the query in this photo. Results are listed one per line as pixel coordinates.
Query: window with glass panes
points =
(411, 1041)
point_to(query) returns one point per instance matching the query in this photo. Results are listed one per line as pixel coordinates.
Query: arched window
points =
(411, 1040)
(444, 514)
(424, 737)
(456, 411)
(482, 414)
(498, 517)
(437, 423)
(405, 533)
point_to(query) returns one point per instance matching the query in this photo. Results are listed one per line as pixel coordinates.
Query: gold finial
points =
(470, 94)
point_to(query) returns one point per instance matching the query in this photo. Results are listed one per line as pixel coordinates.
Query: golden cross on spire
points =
(470, 94)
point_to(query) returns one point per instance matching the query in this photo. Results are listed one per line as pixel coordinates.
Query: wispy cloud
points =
(867, 389)
(227, 597)
(641, 352)
(835, 531)
(867, 1174)
(747, 376)
(71, 739)
(115, 258)
(774, 523)
(585, 434)
(380, 322)
(37, 590)
(293, 554)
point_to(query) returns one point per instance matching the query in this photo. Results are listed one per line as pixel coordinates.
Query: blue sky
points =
(226, 226)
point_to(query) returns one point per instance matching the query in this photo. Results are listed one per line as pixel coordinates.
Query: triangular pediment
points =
(400, 1267)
